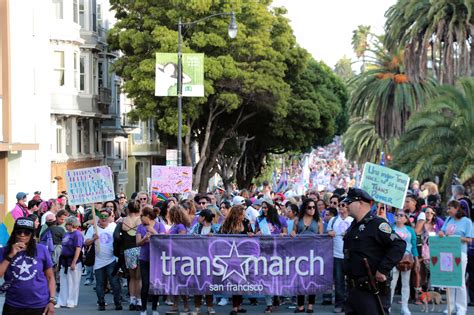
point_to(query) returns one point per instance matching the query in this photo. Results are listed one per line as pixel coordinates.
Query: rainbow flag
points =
(6, 228)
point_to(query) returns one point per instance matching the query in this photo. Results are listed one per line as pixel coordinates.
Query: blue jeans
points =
(90, 273)
(100, 275)
(339, 283)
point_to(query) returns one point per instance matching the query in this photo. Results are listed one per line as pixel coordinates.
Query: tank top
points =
(311, 229)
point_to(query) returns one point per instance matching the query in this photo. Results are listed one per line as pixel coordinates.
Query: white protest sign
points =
(90, 185)
(385, 185)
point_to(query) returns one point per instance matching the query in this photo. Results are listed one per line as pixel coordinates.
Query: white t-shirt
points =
(105, 255)
(338, 225)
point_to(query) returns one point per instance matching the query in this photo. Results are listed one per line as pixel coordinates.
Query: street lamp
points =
(232, 31)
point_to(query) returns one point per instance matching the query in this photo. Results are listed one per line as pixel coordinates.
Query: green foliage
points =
(385, 95)
(439, 139)
(343, 69)
(437, 29)
(363, 144)
(360, 40)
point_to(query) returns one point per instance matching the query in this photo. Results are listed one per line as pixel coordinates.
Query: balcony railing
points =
(105, 95)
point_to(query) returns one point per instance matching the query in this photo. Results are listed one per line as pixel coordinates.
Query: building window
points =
(58, 9)
(99, 17)
(82, 74)
(59, 139)
(94, 16)
(97, 137)
(80, 133)
(81, 13)
(59, 67)
(76, 74)
(101, 74)
(94, 73)
(75, 11)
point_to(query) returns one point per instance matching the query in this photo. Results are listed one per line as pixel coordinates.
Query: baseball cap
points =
(21, 195)
(238, 200)
(24, 223)
(356, 194)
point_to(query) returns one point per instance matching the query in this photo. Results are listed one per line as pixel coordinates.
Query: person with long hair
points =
(458, 224)
(28, 273)
(270, 223)
(204, 227)
(403, 228)
(127, 238)
(308, 222)
(236, 223)
(70, 264)
(145, 230)
(165, 213)
(179, 226)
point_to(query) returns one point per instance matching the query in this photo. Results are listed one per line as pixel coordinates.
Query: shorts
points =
(131, 257)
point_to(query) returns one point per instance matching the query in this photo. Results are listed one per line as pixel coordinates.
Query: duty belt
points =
(358, 282)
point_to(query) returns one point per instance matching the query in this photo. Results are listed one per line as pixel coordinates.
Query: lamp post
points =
(232, 31)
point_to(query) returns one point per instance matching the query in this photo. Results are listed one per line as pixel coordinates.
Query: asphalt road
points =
(88, 299)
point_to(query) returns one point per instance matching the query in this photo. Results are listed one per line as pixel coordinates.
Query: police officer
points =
(372, 238)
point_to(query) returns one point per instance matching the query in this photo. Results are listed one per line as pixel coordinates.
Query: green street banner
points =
(445, 261)
(166, 79)
(385, 185)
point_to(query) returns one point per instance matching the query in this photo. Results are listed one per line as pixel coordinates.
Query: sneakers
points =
(405, 310)
(102, 307)
(338, 310)
(118, 307)
(223, 302)
(211, 310)
(87, 282)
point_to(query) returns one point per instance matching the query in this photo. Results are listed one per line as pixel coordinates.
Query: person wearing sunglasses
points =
(142, 199)
(202, 201)
(308, 222)
(105, 260)
(369, 237)
(28, 273)
(403, 228)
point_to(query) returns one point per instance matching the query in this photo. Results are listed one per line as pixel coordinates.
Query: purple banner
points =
(236, 264)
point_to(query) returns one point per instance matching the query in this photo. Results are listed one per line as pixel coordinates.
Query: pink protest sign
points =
(171, 179)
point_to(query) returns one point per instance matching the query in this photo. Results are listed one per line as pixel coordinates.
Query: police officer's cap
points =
(356, 194)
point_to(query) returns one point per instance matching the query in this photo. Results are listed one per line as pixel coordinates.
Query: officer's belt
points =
(358, 282)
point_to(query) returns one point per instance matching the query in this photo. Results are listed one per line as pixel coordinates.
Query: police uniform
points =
(371, 238)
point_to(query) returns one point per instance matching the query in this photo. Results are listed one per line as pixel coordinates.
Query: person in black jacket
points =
(372, 238)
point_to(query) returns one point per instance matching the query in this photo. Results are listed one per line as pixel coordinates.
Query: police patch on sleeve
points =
(385, 227)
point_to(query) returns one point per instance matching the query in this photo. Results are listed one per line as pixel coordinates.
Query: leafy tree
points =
(439, 140)
(243, 77)
(386, 93)
(363, 144)
(360, 42)
(317, 111)
(439, 30)
(343, 68)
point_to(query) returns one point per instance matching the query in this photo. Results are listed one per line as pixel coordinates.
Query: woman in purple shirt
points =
(28, 272)
(179, 225)
(148, 228)
(70, 264)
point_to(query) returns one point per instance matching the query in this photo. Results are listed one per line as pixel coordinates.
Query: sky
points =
(324, 27)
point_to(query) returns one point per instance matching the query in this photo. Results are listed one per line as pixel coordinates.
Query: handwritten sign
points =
(445, 261)
(385, 185)
(90, 185)
(171, 179)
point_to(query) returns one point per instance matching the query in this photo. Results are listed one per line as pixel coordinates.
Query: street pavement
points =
(88, 299)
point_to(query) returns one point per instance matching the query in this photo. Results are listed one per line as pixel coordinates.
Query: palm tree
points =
(439, 139)
(362, 143)
(385, 91)
(438, 30)
(360, 42)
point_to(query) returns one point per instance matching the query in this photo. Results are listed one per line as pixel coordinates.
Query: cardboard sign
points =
(171, 179)
(385, 185)
(445, 261)
(90, 185)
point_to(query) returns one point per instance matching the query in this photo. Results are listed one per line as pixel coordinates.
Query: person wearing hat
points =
(372, 238)
(105, 260)
(21, 208)
(27, 271)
